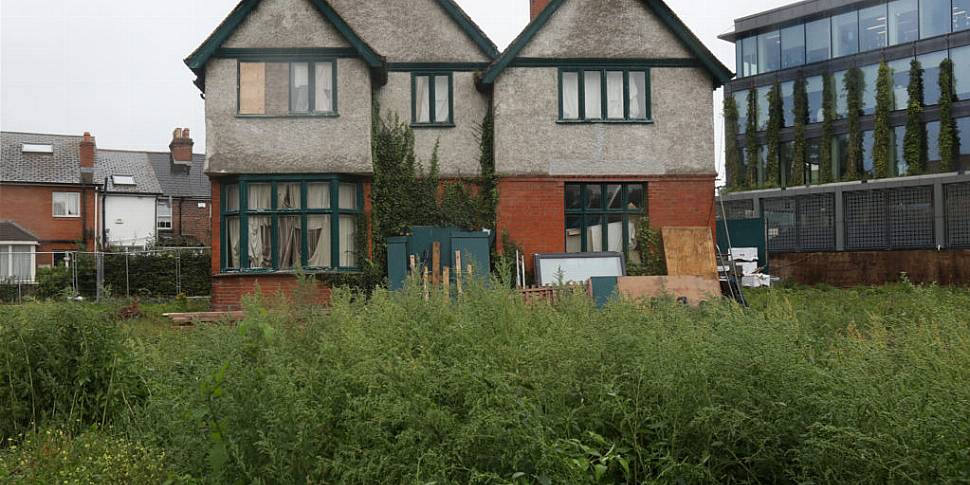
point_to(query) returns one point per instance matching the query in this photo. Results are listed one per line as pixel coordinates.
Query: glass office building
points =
(815, 38)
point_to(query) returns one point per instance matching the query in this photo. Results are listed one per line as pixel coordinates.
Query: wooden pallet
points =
(187, 319)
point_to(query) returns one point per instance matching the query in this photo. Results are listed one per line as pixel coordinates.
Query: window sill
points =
(289, 116)
(604, 122)
(418, 126)
(67, 217)
(228, 273)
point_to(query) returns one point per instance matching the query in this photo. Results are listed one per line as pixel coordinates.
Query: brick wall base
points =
(531, 210)
(228, 290)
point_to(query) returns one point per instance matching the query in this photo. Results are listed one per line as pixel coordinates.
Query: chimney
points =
(88, 149)
(181, 147)
(537, 6)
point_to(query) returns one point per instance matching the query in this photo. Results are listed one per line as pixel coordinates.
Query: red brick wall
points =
(532, 209)
(31, 206)
(190, 220)
(228, 290)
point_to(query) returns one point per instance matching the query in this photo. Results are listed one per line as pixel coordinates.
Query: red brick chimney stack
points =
(181, 146)
(537, 7)
(88, 150)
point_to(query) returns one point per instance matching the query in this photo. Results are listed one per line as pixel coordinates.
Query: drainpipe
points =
(104, 215)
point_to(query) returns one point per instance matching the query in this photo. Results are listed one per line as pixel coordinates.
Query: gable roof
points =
(178, 180)
(470, 28)
(10, 231)
(61, 167)
(118, 162)
(718, 71)
(201, 55)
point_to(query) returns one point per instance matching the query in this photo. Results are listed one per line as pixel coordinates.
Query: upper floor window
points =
(282, 223)
(431, 99)
(604, 95)
(66, 204)
(288, 88)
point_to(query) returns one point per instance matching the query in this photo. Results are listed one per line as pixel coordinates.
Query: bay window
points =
(431, 99)
(604, 217)
(604, 95)
(297, 88)
(282, 223)
(17, 263)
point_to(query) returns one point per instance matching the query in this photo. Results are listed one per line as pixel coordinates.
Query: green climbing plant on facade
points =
(828, 130)
(949, 141)
(799, 158)
(854, 85)
(882, 148)
(752, 155)
(732, 152)
(915, 148)
(776, 119)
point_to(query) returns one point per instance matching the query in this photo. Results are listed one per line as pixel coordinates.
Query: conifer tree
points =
(853, 87)
(949, 141)
(732, 152)
(752, 155)
(915, 149)
(828, 116)
(882, 149)
(776, 118)
(796, 176)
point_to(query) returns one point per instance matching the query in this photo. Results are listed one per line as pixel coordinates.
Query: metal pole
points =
(99, 263)
(127, 281)
(178, 272)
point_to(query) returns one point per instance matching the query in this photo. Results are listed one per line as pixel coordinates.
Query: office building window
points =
(763, 107)
(933, 140)
(841, 96)
(741, 100)
(900, 68)
(769, 51)
(935, 18)
(814, 88)
(818, 40)
(961, 71)
(931, 76)
(840, 154)
(749, 50)
(961, 15)
(903, 21)
(899, 139)
(788, 102)
(793, 46)
(845, 34)
(868, 162)
(873, 33)
(870, 74)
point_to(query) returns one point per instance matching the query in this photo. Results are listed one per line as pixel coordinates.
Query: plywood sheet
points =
(695, 289)
(689, 251)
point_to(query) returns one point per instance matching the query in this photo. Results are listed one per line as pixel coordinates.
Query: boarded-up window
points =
(283, 88)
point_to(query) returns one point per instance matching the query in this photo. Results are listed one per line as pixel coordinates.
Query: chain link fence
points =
(153, 273)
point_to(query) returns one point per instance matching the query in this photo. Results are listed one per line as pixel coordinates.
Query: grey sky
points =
(114, 67)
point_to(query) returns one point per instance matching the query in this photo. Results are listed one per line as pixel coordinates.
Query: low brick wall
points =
(865, 268)
(228, 290)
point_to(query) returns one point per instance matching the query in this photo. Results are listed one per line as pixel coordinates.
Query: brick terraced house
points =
(602, 113)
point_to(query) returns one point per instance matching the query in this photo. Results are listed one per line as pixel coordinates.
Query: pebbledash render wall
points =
(674, 155)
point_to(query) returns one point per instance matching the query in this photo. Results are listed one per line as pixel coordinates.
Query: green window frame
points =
(334, 212)
(432, 99)
(604, 76)
(311, 87)
(592, 204)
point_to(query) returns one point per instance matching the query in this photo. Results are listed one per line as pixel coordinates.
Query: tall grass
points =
(808, 385)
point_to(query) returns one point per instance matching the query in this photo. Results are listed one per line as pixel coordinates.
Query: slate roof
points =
(136, 164)
(61, 167)
(11, 231)
(179, 180)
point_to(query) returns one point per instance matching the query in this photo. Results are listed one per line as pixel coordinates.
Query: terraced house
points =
(602, 113)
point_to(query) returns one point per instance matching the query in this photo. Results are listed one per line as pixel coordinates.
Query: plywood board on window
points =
(695, 289)
(252, 88)
(689, 251)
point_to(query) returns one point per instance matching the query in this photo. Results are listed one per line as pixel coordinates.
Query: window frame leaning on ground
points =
(311, 62)
(334, 212)
(581, 117)
(432, 99)
(604, 212)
